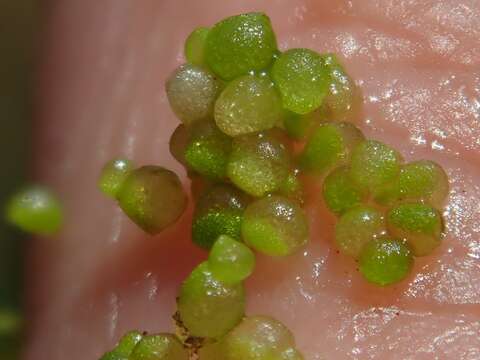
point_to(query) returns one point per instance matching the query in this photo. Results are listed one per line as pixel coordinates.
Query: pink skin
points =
(102, 95)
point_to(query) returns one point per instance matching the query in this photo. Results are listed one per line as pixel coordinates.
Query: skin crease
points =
(101, 95)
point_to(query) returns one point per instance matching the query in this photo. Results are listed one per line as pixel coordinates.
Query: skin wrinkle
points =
(388, 50)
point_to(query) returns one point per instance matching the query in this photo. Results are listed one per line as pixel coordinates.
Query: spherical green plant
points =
(248, 104)
(259, 162)
(195, 46)
(124, 347)
(260, 338)
(207, 150)
(240, 44)
(358, 226)
(422, 180)
(275, 226)
(385, 261)
(11, 321)
(191, 92)
(112, 176)
(35, 209)
(340, 193)
(330, 146)
(159, 347)
(374, 165)
(219, 211)
(302, 79)
(152, 197)
(343, 98)
(208, 307)
(230, 261)
(419, 224)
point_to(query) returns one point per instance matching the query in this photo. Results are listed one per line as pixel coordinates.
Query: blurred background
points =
(19, 29)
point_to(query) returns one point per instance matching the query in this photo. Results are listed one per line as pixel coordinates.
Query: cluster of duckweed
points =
(388, 211)
(243, 104)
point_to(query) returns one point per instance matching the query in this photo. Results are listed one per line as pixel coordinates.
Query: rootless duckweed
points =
(161, 346)
(10, 322)
(275, 226)
(35, 209)
(343, 97)
(230, 261)
(259, 162)
(124, 347)
(240, 44)
(374, 164)
(422, 180)
(195, 46)
(302, 79)
(358, 226)
(248, 104)
(419, 224)
(152, 197)
(113, 174)
(262, 338)
(340, 193)
(208, 307)
(192, 91)
(219, 211)
(385, 261)
(207, 150)
(330, 146)
(254, 122)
